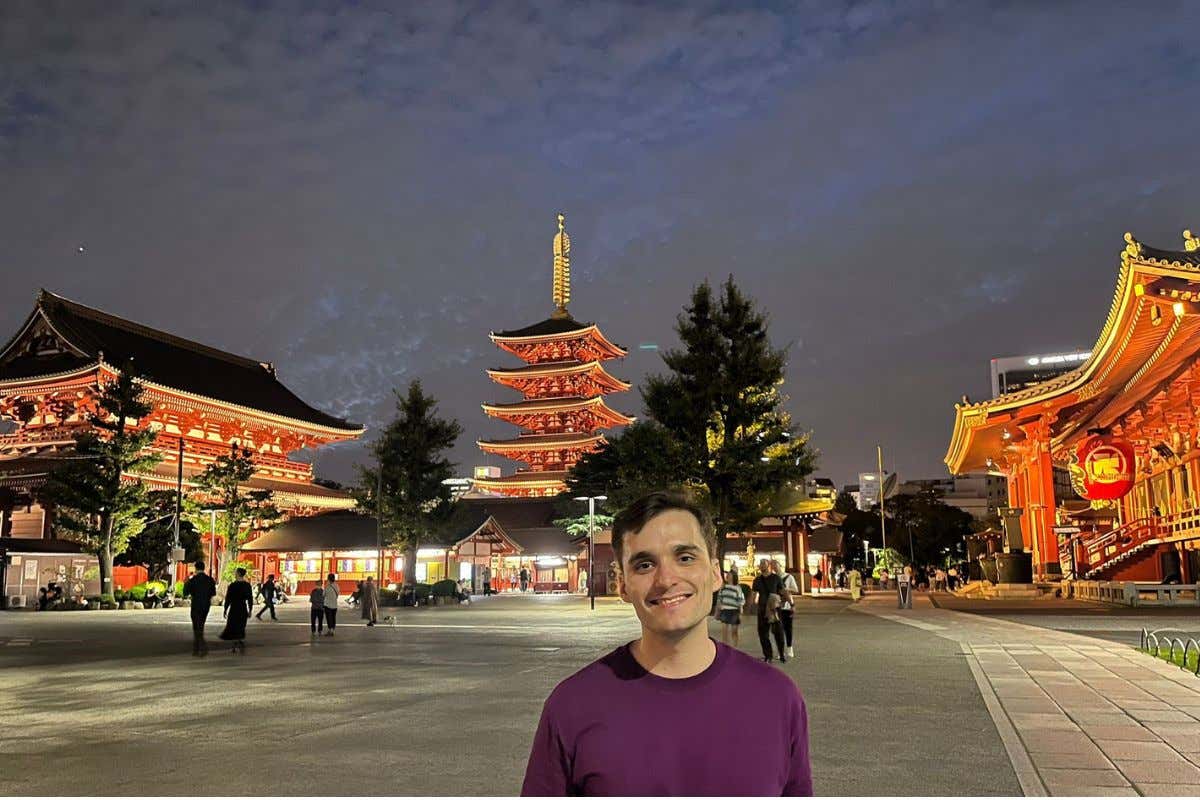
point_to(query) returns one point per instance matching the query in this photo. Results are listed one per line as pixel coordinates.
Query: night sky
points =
(360, 192)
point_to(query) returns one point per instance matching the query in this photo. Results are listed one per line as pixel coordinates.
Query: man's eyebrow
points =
(676, 550)
(639, 555)
(686, 548)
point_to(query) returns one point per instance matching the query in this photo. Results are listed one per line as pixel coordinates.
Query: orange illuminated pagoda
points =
(564, 384)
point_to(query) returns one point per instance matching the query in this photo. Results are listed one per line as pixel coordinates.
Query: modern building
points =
(204, 401)
(1015, 373)
(563, 385)
(1135, 391)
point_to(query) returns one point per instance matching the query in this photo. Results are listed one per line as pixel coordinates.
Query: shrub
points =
(179, 588)
(137, 593)
(389, 597)
(119, 595)
(444, 588)
(423, 590)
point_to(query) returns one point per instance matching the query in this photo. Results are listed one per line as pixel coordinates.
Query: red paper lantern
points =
(1108, 465)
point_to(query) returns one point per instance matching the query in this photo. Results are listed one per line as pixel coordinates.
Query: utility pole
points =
(882, 492)
(379, 524)
(591, 501)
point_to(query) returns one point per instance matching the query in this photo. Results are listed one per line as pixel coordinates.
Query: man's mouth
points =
(669, 601)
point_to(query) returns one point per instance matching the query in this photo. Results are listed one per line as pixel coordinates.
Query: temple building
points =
(204, 401)
(1125, 423)
(563, 385)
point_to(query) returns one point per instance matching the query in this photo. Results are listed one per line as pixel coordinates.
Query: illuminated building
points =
(563, 385)
(1014, 373)
(1139, 385)
(202, 398)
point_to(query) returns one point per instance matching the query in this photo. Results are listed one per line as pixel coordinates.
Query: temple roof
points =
(1132, 353)
(545, 441)
(88, 336)
(523, 477)
(594, 368)
(548, 327)
(333, 530)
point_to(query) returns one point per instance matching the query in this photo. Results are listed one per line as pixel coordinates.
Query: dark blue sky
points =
(361, 191)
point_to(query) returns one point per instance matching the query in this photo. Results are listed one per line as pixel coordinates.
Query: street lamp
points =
(591, 501)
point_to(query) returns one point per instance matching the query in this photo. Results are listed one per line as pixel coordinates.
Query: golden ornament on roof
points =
(562, 269)
(1190, 242)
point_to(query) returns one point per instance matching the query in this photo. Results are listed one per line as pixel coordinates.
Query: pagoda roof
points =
(524, 477)
(556, 368)
(545, 441)
(1152, 329)
(557, 404)
(553, 326)
(89, 337)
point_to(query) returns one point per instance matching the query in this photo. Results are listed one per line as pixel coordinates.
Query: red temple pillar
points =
(1046, 562)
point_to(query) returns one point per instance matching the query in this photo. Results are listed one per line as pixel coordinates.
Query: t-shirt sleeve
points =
(799, 779)
(548, 772)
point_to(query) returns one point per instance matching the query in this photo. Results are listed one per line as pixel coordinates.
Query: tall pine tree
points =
(718, 426)
(237, 512)
(410, 453)
(97, 498)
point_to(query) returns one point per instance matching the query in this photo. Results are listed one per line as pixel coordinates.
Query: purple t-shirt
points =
(738, 729)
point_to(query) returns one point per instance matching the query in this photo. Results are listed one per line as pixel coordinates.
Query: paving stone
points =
(1121, 733)
(1090, 760)
(1043, 722)
(1029, 705)
(1101, 718)
(1159, 771)
(1055, 778)
(1156, 715)
(1169, 789)
(1138, 751)
(1058, 742)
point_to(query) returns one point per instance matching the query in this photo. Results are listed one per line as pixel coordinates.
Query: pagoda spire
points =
(562, 271)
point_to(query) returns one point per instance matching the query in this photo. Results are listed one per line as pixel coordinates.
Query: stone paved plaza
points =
(445, 701)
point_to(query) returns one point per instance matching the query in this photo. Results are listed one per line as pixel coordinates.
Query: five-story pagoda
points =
(564, 384)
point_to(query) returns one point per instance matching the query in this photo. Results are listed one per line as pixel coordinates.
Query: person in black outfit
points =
(239, 602)
(267, 593)
(765, 585)
(201, 589)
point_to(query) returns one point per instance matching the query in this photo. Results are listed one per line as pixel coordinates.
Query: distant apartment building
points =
(980, 494)
(1014, 373)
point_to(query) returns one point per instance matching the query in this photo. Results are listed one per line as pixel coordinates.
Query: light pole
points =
(866, 554)
(591, 501)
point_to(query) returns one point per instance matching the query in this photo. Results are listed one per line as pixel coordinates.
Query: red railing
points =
(1097, 550)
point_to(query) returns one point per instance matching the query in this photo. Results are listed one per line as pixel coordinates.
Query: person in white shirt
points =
(331, 598)
(787, 607)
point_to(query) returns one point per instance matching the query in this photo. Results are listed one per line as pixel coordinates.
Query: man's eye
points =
(687, 559)
(642, 564)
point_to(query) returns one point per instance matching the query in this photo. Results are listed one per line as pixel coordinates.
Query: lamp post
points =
(591, 501)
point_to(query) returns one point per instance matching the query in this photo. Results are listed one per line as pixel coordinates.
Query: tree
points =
(923, 528)
(410, 454)
(237, 512)
(717, 425)
(97, 499)
(152, 545)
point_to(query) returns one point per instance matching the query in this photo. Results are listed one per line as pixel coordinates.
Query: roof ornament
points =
(1133, 248)
(562, 271)
(1190, 242)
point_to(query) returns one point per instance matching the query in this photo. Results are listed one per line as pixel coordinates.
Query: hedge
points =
(444, 588)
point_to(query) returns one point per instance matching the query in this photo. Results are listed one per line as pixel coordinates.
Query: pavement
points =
(445, 700)
(1078, 715)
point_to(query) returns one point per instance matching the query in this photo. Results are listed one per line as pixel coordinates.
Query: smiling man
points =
(673, 712)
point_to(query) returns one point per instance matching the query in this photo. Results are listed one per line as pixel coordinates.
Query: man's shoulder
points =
(589, 683)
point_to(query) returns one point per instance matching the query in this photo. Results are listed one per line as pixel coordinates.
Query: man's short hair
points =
(199, 565)
(241, 572)
(638, 514)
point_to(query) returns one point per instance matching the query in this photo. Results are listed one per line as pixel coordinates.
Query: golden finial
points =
(1190, 242)
(562, 270)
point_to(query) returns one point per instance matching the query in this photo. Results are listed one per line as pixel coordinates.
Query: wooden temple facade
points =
(563, 385)
(204, 399)
(1141, 386)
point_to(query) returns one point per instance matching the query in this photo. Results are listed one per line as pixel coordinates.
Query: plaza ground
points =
(446, 700)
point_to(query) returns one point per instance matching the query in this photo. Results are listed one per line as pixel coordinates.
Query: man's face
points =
(764, 567)
(667, 575)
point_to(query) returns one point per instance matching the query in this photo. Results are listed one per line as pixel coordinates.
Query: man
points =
(369, 601)
(201, 589)
(487, 580)
(766, 584)
(267, 593)
(332, 590)
(665, 715)
(524, 579)
(787, 607)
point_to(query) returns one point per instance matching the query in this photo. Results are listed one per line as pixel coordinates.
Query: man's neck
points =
(675, 657)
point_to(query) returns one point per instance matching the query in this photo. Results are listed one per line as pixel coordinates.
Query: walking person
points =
(239, 602)
(331, 598)
(601, 731)
(765, 585)
(524, 578)
(730, 603)
(316, 610)
(787, 607)
(487, 580)
(267, 593)
(369, 600)
(855, 581)
(201, 588)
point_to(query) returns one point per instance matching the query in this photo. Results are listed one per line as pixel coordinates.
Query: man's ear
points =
(717, 572)
(621, 585)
